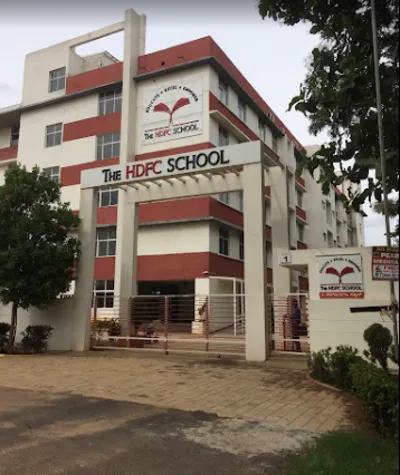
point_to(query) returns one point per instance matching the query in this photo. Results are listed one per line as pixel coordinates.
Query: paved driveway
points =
(225, 387)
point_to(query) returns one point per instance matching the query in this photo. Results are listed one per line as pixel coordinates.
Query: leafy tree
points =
(393, 213)
(338, 93)
(37, 254)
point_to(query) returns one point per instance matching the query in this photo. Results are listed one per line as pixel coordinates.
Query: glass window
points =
(268, 249)
(57, 79)
(103, 292)
(274, 143)
(223, 92)
(299, 198)
(108, 145)
(106, 241)
(108, 197)
(300, 232)
(224, 240)
(110, 101)
(325, 237)
(261, 130)
(241, 246)
(53, 173)
(224, 197)
(14, 135)
(223, 137)
(53, 135)
(328, 213)
(242, 110)
(241, 200)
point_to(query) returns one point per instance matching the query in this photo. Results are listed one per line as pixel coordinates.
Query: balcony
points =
(301, 245)
(8, 154)
(301, 214)
(300, 182)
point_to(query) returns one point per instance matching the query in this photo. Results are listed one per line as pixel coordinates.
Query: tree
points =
(338, 93)
(393, 213)
(37, 253)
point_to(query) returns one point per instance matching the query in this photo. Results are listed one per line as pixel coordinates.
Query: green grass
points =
(341, 453)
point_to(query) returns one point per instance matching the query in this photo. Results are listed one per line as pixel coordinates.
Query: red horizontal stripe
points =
(94, 78)
(9, 153)
(301, 245)
(72, 175)
(301, 213)
(301, 181)
(99, 125)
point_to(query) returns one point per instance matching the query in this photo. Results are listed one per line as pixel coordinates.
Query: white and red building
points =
(78, 113)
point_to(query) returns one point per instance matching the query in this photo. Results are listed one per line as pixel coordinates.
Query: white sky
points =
(271, 57)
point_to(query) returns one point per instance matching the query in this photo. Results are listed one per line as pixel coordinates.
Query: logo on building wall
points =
(340, 277)
(172, 111)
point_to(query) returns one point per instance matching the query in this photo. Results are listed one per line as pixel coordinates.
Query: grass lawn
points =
(342, 453)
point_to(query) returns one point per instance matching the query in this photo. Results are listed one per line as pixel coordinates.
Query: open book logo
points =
(161, 107)
(340, 274)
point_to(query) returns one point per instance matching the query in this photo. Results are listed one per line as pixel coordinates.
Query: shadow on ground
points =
(44, 434)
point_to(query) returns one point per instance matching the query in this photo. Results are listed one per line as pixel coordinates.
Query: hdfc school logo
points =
(171, 112)
(340, 277)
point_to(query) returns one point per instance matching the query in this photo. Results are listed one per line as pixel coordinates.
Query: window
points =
(241, 246)
(14, 135)
(224, 240)
(300, 232)
(274, 143)
(103, 292)
(268, 249)
(323, 204)
(223, 137)
(267, 212)
(350, 238)
(334, 243)
(224, 197)
(106, 241)
(330, 239)
(57, 80)
(325, 237)
(328, 213)
(299, 198)
(53, 135)
(108, 197)
(261, 130)
(108, 145)
(110, 101)
(242, 110)
(241, 200)
(223, 92)
(53, 173)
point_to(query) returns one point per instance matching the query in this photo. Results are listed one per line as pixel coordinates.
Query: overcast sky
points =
(271, 57)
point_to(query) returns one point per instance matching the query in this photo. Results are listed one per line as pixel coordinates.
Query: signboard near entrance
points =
(183, 164)
(172, 111)
(340, 276)
(385, 263)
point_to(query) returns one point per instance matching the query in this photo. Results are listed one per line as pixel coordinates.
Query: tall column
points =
(82, 306)
(255, 263)
(280, 226)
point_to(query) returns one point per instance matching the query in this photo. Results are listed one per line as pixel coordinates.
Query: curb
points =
(324, 385)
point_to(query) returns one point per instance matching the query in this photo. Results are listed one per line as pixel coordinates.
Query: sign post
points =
(385, 263)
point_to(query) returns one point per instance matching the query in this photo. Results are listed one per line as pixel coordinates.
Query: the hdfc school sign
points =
(340, 277)
(183, 164)
(172, 111)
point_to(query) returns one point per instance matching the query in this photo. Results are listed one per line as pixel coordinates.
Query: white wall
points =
(173, 239)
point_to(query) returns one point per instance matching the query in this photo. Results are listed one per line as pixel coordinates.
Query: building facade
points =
(78, 113)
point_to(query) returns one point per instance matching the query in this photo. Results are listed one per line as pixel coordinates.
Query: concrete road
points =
(45, 433)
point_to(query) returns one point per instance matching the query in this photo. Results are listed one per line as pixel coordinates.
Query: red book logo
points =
(183, 101)
(341, 274)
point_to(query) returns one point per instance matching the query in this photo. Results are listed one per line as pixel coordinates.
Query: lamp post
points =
(393, 300)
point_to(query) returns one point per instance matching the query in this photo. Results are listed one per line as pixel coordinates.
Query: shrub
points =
(379, 340)
(333, 368)
(114, 328)
(35, 338)
(392, 355)
(379, 393)
(4, 332)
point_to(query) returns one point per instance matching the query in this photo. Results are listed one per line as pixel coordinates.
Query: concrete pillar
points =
(125, 285)
(280, 228)
(255, 263)
(82, 306)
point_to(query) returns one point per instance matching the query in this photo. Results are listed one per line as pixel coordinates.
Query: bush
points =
(35, 338)
(4, 332)
(333, 368)
(379, 393)
(114, 328)
(379, 340)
